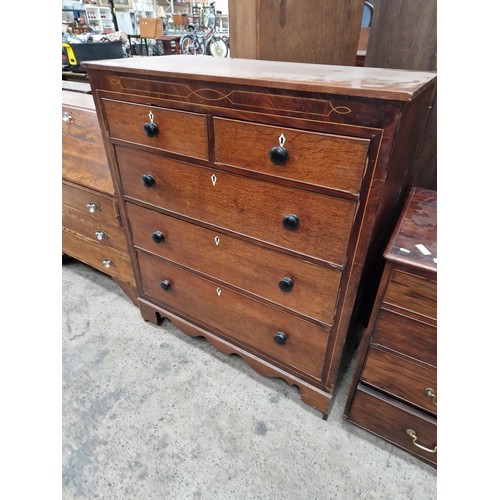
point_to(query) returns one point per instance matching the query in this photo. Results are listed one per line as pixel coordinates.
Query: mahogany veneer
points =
(254, 193)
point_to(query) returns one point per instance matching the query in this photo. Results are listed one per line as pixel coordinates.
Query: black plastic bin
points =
(93, 51)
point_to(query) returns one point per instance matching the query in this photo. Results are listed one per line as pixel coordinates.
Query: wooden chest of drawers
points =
(394, 393)
(254, 192)
(92, 229)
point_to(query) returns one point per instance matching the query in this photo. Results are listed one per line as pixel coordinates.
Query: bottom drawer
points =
(394, 422)
(253, 324)
(95, 255)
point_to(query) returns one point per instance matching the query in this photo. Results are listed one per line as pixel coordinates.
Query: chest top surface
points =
(414, 241)
(381, 83)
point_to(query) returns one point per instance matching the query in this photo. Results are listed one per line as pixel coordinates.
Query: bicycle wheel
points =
(218, 48)
(186, 45)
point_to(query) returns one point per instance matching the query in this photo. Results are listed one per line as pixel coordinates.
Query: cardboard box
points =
(150, 27)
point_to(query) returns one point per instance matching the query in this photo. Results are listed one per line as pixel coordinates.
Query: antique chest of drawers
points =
(253, 194)
(394, 391)
(92, 229)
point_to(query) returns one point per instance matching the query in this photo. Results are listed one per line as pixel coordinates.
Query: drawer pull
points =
(429, 392)
(107, 263)
(280, 338)
(157, 237)
(278, 155)
(414, 438)
(290, 222)
(147, 180)
(100, 235)
(165, 284)
(66, 117)
(93, 207)
(150, 128)
(285, 284)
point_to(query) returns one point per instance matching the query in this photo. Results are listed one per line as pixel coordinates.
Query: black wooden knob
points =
(280, 338)
(165, 284)
(150, 129)
(148, 180)
(285, 284)
(290, 222)
(278, 155)
(157, 237)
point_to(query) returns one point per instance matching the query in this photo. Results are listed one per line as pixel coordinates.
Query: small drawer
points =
(319, 159)
(407, 336)
(293, 283)
(107, 259)
(305, 222)
(412, 293)
(412, 430)
(96, 207)
(402, 378)
(248, 322)
(84, 158)
(102, 231)
(174, 131)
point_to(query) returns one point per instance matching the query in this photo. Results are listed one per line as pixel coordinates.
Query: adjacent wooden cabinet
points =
(394, 392)
(92, 228)
(253, 194)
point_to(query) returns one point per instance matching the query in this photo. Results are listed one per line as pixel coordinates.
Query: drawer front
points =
(98, 207)
(392, 421)
(318, 159)
(245, 206)
(407, 336)
(244, 320)
(400, 377)
(83, 155)
(245, 265)
(95, 255)
(412, 293)
(177, 131)
(106, 234)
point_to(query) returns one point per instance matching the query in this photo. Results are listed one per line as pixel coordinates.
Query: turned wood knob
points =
(147, 180)
(278, 155)
(285, 284)
(150, 129)
(157, 237)
(280, 338)
(290, 222)
(165, 284)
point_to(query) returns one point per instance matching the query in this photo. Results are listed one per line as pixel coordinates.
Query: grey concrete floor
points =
(150, 413)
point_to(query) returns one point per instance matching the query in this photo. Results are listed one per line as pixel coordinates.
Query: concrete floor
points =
(150, 413)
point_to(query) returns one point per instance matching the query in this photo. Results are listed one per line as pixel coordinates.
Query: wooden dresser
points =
(92, 229)
(394, 392)
(253, 193)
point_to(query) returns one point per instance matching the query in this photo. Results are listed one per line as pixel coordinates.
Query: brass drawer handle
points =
(414, 438)
(100, 235)
(107, 263)
(66, 117)
(429, 392)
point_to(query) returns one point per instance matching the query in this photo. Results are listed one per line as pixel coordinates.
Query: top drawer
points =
(412, 293)
(176, 131)
(318, 159)
(84, 159)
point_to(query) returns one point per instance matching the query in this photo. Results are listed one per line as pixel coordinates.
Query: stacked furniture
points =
(394, 391)
(255, 195)
(92, 227)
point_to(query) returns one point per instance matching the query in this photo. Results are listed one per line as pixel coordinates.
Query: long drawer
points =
(291, 282)
(302, 221)
(272, 332)
(402, 378)
(83, 155)
(319, 159)
(105, 258)
(408, 336)
(412, 430)
(176, 131)
(413, 293)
